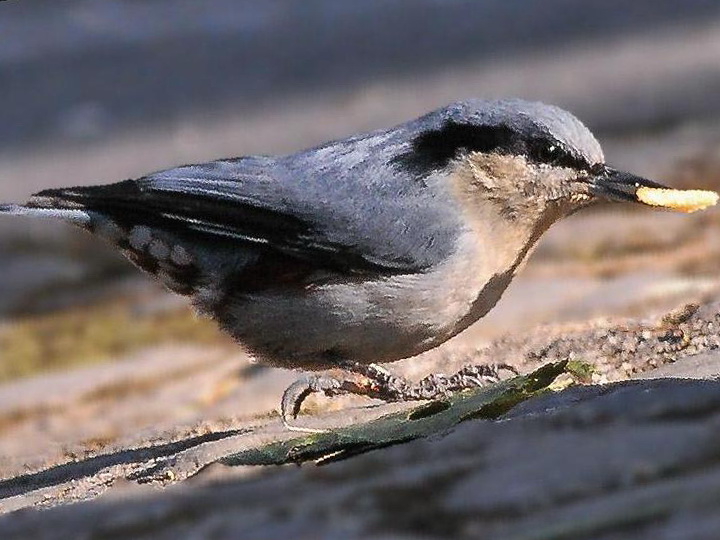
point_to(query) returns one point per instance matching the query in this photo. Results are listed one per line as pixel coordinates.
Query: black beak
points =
(619, 186)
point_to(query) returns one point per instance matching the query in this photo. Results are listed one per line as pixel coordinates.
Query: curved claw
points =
(298, 391)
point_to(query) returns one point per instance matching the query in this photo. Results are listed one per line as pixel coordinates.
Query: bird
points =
(360, 251)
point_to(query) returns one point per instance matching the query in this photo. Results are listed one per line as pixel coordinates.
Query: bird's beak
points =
(619, 186)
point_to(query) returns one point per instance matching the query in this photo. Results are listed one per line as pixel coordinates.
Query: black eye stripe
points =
(551, 152)
(434, 149)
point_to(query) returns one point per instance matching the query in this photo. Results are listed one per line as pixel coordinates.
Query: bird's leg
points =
(386, 386)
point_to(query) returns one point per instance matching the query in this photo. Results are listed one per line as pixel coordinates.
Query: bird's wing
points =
(289, 208)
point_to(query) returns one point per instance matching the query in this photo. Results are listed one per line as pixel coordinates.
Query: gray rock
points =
(629, 460)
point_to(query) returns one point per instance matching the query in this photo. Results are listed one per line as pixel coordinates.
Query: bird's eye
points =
(548, 154)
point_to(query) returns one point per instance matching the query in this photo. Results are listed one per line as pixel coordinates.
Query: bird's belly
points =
(379, 320)
(318, 331)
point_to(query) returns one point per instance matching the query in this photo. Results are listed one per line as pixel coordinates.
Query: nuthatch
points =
(369, 249)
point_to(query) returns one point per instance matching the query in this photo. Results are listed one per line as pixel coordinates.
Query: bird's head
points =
(530, 160)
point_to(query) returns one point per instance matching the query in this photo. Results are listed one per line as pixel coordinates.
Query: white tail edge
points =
(74, 216)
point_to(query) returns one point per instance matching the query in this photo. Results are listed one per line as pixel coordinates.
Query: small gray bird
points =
(370, 249)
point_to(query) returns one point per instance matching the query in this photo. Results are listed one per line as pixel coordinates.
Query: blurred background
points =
(96, 92)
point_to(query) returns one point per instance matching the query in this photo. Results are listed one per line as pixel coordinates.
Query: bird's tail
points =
(46, 205)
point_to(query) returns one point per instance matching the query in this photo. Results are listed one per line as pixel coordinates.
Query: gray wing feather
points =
(343, 205)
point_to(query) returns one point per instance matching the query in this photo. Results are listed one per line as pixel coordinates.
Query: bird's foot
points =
(439, 385)
(385, 386)
(296, 393)
(379, 384)
(389, 387)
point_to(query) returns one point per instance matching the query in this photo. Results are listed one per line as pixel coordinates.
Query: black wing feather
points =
(212, 208)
